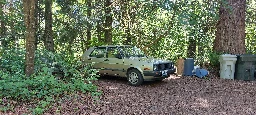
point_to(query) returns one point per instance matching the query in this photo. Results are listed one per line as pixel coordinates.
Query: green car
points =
(127, 61)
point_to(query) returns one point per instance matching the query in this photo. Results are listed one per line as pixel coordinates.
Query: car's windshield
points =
(132, 52)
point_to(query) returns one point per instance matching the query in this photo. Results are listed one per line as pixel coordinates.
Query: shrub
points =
(44, 86)
(12, 61)
(214, 59)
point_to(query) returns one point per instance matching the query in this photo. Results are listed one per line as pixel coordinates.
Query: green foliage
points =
(38, 111)
(44, 86)
(12, 61)
(12, 19)
(166, 26)
(250, 40)
(144, 21)
(214, 59)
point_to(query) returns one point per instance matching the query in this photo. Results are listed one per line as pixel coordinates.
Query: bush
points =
(44, 86)
(214, 59)
(12, 61)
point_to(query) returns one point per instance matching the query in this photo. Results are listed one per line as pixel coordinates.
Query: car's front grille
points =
(164, 66)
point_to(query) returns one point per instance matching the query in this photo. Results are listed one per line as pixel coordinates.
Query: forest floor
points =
(174, 95)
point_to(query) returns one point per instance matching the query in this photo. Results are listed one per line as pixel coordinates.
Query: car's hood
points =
(150, 60)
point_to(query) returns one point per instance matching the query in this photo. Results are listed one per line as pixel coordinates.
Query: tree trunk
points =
(108, 22)
(49, 44)
(89, 26)
(230, 35)
(3, 28)
(191, 48)
(29, 18)
(37, 18)
(99, 31)
(125, 21)
(12, 30)
(128, 40)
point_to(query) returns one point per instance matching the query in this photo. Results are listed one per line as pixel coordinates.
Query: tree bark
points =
(29, 18)
(49, 44)
(3, 28)
(230, 35)
(108, 22)
(128, 40)
(191, 48)
(125, 21)
(37, 18)
(89, 26)
(99, 31)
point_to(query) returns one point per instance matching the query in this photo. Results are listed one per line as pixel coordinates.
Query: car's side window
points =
(112, 52)
(98, 53)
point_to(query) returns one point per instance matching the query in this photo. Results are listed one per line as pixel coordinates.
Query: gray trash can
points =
(227, 66)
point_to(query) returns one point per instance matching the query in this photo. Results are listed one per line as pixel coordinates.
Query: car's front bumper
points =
(157, 75)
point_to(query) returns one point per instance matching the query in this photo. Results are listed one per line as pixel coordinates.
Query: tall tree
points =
(48, 42)
(128, 13)
(98, 15)
(230, 35)
(37, 22)
(99, 31)
(29, 11)
(191, 47)
(12, 30)
(108, 22)
(124, 20)
(89, 26)
(2, 23)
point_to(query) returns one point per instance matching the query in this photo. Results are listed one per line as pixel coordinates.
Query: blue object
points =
(188, 66)
(201, 73)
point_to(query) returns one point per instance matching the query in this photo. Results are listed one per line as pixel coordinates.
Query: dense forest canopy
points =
(166, 27)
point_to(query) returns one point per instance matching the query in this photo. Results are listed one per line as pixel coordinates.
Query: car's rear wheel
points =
(134, 77)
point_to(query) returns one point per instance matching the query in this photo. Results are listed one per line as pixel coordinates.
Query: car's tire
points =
(134, 77)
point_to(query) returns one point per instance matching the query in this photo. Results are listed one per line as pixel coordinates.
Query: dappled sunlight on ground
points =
(201, 102)
(173, 76)
(180, 95)
(174, 95)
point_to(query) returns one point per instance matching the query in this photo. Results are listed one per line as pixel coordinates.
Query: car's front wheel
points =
(134, 77)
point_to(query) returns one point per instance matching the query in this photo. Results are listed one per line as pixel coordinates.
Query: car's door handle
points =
(89, 58)
(106, 60)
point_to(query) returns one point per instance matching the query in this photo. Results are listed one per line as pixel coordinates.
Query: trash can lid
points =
(247, 57)
(228, 56)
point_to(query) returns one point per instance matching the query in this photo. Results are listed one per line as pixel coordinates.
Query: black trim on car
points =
(159, 73)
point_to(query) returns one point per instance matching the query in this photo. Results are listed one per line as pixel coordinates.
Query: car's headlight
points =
(155, 68)
(173, 65)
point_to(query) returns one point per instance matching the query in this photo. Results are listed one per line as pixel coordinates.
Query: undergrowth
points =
(56, 75)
